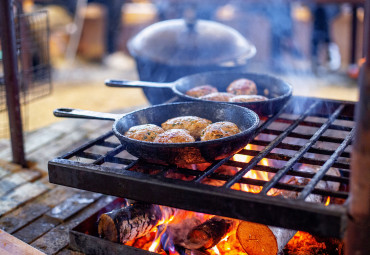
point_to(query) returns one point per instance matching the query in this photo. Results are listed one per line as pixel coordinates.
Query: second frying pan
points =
(276, 90)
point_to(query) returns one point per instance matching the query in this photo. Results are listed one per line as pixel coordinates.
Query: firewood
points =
(210, 232)
(259, 239)
(130, 222)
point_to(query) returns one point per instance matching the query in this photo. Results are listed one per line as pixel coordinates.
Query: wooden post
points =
(358, 230)
(8, 42)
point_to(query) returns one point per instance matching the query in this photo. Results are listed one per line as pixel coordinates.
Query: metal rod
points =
(321, 173)
(353, 34)
(301, 152)
(358, 230)
(268, 148)
(8, 42)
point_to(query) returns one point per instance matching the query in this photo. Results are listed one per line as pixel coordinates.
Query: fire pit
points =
(309, 140)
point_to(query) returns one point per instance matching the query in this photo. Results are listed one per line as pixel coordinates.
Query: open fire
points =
(187, 232)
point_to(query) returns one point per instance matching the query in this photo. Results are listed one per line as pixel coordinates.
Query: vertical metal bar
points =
(358, 230)
(353, 34)
(7, 32)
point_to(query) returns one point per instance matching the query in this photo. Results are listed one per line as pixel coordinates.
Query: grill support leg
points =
(358, 229)
(7, 32)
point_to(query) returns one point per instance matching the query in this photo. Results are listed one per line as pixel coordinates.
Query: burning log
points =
(130, 222)
(209, 233)
(261, 239)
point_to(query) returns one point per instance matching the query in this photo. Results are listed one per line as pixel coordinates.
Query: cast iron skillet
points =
(178, 153)
(276, 90)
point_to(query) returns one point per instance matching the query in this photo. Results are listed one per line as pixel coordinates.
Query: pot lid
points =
(180, 42)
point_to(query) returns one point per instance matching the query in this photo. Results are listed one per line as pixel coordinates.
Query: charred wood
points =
(210, 232)
(133, 221)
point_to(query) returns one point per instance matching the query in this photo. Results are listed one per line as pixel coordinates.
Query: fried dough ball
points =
(146, 132)
(219, 130)
(201, 91)
(218, 96)
(192, 124)
(242, 87)
(247, 98)
(174, 136)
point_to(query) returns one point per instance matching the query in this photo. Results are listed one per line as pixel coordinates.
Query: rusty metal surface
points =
(104, 166)
(11, 81)
(358, 232)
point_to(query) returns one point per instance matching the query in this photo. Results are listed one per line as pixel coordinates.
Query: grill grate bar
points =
(269, 169)
(302, 151)
(269, 148)
(258, 131)
(316, 124)
(321, 173)
(304, 136)
(88, 155)
(305, 160)
(115, 151)
(86, 146)
(295, 147)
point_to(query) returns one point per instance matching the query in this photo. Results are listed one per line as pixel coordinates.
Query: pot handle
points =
(138, 84)
(84, 114)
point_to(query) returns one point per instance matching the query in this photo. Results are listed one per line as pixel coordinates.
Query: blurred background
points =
(315, 46)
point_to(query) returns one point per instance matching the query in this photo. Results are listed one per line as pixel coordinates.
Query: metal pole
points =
(358, 229)
(8, 43)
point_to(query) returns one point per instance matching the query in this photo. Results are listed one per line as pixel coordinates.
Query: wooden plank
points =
(14, 180)
(58, 238)
(36, 229)
(3, 172)
(21, 195)
(31, 211)
(72, 205)
(11, 245)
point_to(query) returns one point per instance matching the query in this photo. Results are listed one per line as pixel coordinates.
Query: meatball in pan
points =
(201, 91)
(247, 98)
(218, 96)
(219, 130)
(146, 132)
(242, 87)
(174, 136)
(192, 124)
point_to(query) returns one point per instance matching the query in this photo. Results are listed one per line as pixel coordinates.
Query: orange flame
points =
(327, 201)
(253, 174)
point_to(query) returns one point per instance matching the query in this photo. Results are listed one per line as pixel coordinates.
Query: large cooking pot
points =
(168, 50)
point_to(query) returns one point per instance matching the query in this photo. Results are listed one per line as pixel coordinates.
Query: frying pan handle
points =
(84, 114)
(138, 84)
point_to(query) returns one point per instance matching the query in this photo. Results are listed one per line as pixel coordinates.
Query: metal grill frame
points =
(194, 195)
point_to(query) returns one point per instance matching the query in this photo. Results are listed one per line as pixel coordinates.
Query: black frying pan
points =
(178, 153)
(276, 90)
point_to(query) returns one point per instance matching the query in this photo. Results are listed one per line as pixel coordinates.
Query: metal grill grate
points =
(309, 141)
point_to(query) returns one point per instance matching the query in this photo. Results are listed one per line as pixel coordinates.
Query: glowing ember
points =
(327, 201)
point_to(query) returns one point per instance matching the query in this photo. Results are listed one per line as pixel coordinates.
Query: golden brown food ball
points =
(174, 136)
(192, 124)
(219, 130)
(218, 96)
(247, 98)
(146, 132)
(201, 91)
(242, 87)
